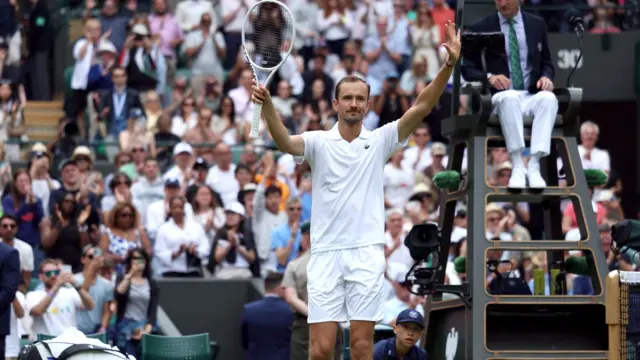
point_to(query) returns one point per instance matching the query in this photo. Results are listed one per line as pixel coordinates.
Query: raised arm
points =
(428, 98)
(293, 144)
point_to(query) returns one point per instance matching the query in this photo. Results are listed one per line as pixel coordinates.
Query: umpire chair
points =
(483, 330)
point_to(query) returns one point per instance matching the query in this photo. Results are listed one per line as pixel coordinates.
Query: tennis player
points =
(347, 265)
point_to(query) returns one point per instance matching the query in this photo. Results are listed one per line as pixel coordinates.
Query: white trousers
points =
(512, 105)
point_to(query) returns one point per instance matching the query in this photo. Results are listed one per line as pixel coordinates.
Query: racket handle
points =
(255, 122)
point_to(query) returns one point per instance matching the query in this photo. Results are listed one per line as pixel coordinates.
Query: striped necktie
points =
(514, 58)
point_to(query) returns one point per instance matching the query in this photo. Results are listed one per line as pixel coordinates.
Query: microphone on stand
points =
(574, 18)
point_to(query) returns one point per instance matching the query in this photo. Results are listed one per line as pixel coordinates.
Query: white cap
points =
(107, 46)
(235, 207)
(182, 147)
(140, 29)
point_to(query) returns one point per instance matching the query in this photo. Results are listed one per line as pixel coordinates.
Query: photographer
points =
(390, 105)
(143, 61)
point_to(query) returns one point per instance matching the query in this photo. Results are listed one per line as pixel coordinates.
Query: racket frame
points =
(257, 109)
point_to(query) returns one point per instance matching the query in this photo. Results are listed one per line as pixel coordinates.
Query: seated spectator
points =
(149, 187)
(186, 117)
(234, 251)
(207, 211)
(266, 324)
(54, 307)
(120, 160)
(227, 124)
(137, 302)
(120, 187)
(41, 180)
(8, 230)
(124, 232)
(183, 157)
(199, 173)
(90, 178)
(201, 135)
(152, 107)
(66, 232)
(22, 204)
(212, 94)
(285, 239)
(137, 133)
(158, 211)
(11, 118)
(181, 246)
(395, 250)
(97, 319)
(221, 177)
(398, 181)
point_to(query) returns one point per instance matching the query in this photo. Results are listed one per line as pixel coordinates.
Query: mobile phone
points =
(66, 268)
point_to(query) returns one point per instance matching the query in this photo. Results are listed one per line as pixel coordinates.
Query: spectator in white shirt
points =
(241, 96)
(592, 157)
(234, 250)
(398, 181)
(233, 13)
(41, 181)
(183, 159)
(189, 12)
(395, 250)
(221, 177)
(205, 50)
(158, 211)
(418, 157)
(182, 247)
(335, 23)
(54, 306)
(8, 231)
(148, 188)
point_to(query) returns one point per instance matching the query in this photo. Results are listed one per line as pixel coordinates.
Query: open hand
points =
(499, 82)
(452, 42)
(544, 83)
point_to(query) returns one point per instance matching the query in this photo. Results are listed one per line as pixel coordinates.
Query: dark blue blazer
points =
(538, 51)
(9, 281)
(266, 329)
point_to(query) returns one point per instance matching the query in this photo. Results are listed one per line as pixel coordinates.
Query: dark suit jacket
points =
(266, 329)
(9, 281)
(132, 101)
(538, 51)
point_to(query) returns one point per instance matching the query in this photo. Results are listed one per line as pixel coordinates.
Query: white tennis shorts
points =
(347, 284)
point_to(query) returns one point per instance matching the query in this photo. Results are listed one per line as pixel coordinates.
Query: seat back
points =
(190, 347)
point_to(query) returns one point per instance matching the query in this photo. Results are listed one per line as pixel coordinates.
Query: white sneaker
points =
(518, 178)
(535, 178)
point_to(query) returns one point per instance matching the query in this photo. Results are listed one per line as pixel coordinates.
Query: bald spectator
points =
(222, 177)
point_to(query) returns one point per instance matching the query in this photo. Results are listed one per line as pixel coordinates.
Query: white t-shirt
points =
(12, 345)
(348, 186)
(25, 252)
(224, 182)
(61, 313)
(398, 185)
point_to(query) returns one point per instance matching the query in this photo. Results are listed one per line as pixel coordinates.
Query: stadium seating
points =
(190, 347)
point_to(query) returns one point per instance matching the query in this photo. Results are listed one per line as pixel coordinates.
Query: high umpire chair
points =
(477, 132)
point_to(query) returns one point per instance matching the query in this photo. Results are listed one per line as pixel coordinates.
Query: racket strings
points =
(268, 34)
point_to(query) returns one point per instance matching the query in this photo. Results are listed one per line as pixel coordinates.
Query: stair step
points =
(46, 105)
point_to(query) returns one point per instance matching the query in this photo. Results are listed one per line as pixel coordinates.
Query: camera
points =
(138, 38)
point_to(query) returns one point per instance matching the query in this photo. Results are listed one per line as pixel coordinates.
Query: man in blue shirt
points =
(408, 329)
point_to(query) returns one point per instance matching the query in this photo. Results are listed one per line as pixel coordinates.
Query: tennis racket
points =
(268, 34)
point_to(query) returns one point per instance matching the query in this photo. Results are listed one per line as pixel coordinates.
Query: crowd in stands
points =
(162, 91)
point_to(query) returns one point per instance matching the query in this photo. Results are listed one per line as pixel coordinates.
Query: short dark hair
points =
(272, 189)
(10, 217)
(272, 281)
(351, 79)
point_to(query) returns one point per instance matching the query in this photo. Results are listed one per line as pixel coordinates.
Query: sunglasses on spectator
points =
(9, 226)
(294, 208)
(493, 219)
(51, 273)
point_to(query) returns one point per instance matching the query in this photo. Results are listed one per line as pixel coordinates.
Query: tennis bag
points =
(51, 350)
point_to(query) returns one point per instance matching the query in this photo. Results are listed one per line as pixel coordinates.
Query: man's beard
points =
(353, 119)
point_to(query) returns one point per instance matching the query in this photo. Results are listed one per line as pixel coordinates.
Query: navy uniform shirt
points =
(386, 350)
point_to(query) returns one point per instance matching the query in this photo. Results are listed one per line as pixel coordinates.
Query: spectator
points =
(335, 23)
(165, 140)
(199, 172)
(117, 104)
(233, 13)
(148, 188)
(208, 212)
(137, 133)
(395, 249)
(183, 158)
(66, 232)
(8, 230)
(269, 178)
(228, 125)
(166, 29)
(5, 172)
(266, 324)
(418, 156)
(241, 96)
(402, 300)
(11, 74)
(100, 289)
(186, 118)
(114, 19)
(121, 159)
(41, 180)
(202, 134)
(22, 204)
(152, 107)
(181, 246)
(441, 13)
(285, 239)
(10, 273)
(89, 178)
(9, 30)
(425, 37)
(11, 121)
(143, 60)
(234, 251)
(122, 234)
(137, 297)
(120, 187)
(205, 50)
(267, 216)
(221, 177)
(189, 13)
(211, 95)
(54, 307)
(592, 157)
(398, 181)
(12, 340)
(158, 211)
(383, 61)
